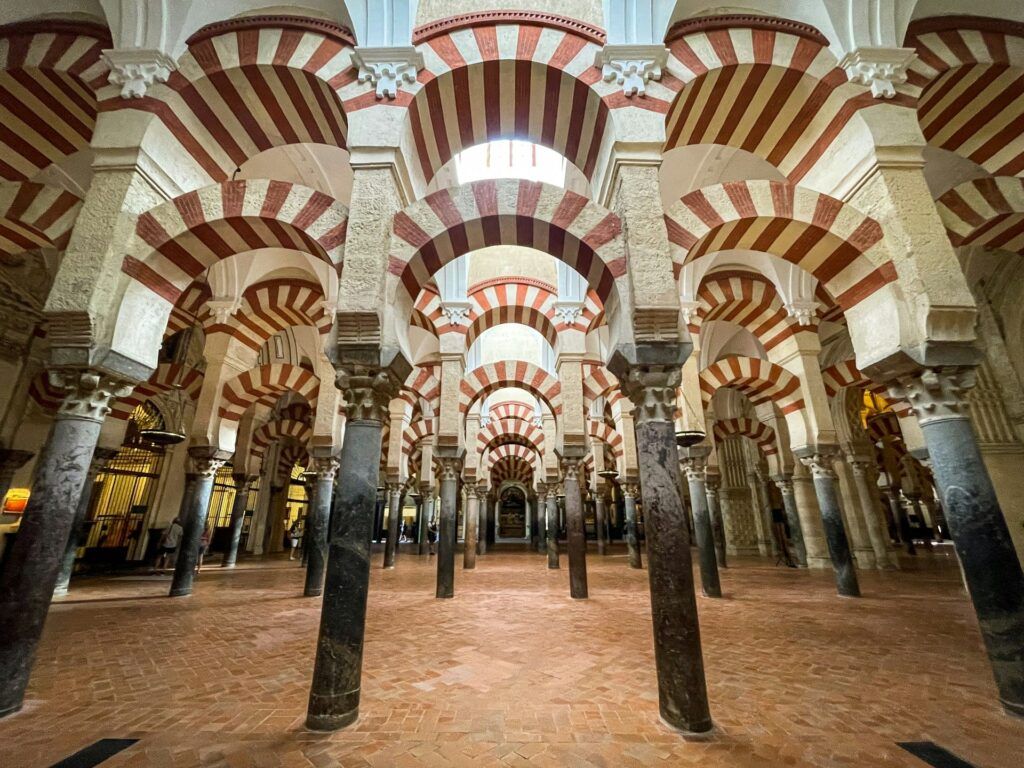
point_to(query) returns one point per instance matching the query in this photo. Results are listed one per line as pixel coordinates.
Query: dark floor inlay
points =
(95, 753)
(934, 755)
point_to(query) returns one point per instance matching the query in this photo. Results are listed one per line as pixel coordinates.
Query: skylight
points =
(511, 159)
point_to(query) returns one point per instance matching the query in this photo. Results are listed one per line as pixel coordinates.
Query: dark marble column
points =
(542, 515)
(576, 536)
(600, 510)
(715, 514)
(30, 574)
(428, 515)
(551, 526)
(696, 479)
(67, 565)
(976, 523)
(820, 465)
(243, 483)
(472, 528)
(682, 690)
(394, 524)
(317, 521)
(10, 462)
(785, 485)
(629, 493)
(195, 506)
(337, 675)
(448, 534)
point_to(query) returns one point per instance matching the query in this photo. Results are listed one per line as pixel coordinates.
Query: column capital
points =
(87, 393)
(368, 391)
(243, 480)
(204, 461)
(135, 69)
(652, 390)
(784, 483)
(936, 394)
(632, 66)
(882, 69)
(451, 467)
(820, 462)
(571, 467)
(387, 67)
(325, 467)
(694, 467)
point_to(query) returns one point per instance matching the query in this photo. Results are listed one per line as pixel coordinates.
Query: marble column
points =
(762, 513)
(551, 526)
(976, 523)
(394, 524)
(785, 485)
(866, 495)
(576, 535)
(682, 690)
(428, 514)
(242, 484)
(696, 479)
(67, 565)
(448, 534)
(712, 485)
(10, 462)
(812, 529)
(337, 674)
(317, 522)
(30, 574)
(600, 508)
(195, 506)
(481, 533)
(629, 493)
(472, 528)
(825, 488)
(542, 513)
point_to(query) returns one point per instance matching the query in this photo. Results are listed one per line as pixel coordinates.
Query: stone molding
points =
(457, 312)
(652, 389)
(328, 29)
(451, 468)
(632, 66)
(936, 394)
(135, 69)
(387, 68)
(205, 462)
(368, 391)
(325, 467)
(630, 490)
(820, 463)
(804, 311)
(88, 393)
(450, 24)
(747, 21)
(569, 311)
(882, 69)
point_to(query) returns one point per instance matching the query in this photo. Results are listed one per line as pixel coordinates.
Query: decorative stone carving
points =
(630, 490)
(820, 463)
(204, 466)
(387, 68)
(451, 468)
(880, 68)
(688, 310)
(135, 69)
(569, 311)
(570, 468)
(223, 309)
(804, 311)
(88, 393)
(456, 312)
(936, 395)
(367, 391)
(632, 66)
(652, 389)
(325, 467)
(784, 484)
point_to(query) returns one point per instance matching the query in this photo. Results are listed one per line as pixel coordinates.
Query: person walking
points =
(431, 537)
(169, 541)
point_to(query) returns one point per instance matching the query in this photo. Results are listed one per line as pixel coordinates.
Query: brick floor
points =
(513, 672)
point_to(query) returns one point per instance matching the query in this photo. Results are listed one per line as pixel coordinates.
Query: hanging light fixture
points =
(608, 474)
(173, 411)
(689, 437)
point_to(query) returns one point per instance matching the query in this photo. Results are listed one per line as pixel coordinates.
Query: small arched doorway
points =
(512, 514)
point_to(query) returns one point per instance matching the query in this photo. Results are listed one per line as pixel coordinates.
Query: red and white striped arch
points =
(512, 410)
(166, 377)
(247, 85)
(968, 79)
(35, 216)
(422, 385)
(750, 302)
(44, 394)
(188, 309)
(415, 433)
(760, 380)
(986, 212)
(272, 306)
(481, 381)
(509, 74)
(263, 386)
(846, 374)
(833, 241)
(49, 74)
(266, 434)
(598, 381)
(292, 454)
(761, 434)
(510, 450)
(768, 86)
(607, 435)
(452, 222)
(180, 239)
(501, 431)
(511, 469)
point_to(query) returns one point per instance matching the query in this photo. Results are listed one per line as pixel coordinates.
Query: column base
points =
(1016, 709)
(701, 728)
(12, 709)
(180, 593)
(60, 592)
(328, 723)
(312, 593)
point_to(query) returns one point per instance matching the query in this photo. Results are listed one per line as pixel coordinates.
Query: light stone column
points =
(826, 490)
(551, 527)
(195, 506)
(629, 493)
(100, 458)
(856, 526)
(682, 690)
(243, 483)
(428, 515)
(600, 510)
(987, 556)
(762, 514)
(30, 573)
(785, 486)
(542, 513)
(873, 523)
(394, 524)
(448, 534)
(316, 524)
(807, 509)
(472, 528)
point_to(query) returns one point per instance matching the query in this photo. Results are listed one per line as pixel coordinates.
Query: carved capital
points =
(820, 464)
(652, 389)
(87, 393)
(936, 395)
(135, 69)
(243, 482)
(784, 484)
(451, 468)
(204, 462)
(880, 68)
(325, 467)
(630, 490)
(572, 467)
(456, 312)
(387, 68)
(569, 311)
(695, 470)
(368, 390)
(712, 481)
(632, 66)
(804, 311)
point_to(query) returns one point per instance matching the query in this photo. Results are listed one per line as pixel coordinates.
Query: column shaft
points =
(316, 525)
(793, 519)
(575, 532)
(717, 526)
(448, 535)
(551, 529)
(67, 564)
(632, 537)
(237, 518)
(710, 585)
(835, 531)
(472, 531)
(428, 514)
(870, 513)
(195, 507)
(394, 526)
(599, 520)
